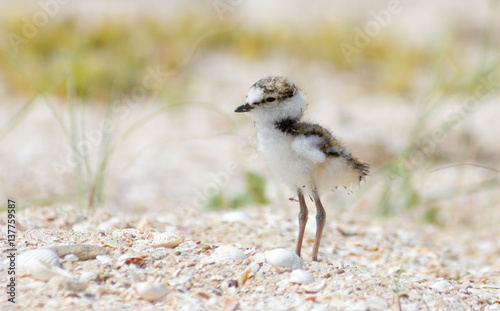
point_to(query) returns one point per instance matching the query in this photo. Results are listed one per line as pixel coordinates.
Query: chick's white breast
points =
(277, 148)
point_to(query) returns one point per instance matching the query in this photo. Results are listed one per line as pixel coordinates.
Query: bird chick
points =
(306, 156)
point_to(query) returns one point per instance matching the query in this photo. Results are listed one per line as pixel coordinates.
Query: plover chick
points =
(307, 157)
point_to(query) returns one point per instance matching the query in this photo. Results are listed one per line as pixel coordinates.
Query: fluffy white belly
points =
(303, 172)
(276, 148)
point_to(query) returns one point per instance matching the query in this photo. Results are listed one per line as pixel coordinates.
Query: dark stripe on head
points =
(282, 87)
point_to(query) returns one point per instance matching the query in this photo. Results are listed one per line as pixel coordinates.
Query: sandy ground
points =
(364, 265)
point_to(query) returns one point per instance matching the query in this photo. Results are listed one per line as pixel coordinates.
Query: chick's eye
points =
(270, 99)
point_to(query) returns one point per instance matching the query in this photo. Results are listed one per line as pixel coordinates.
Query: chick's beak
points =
(244, 108)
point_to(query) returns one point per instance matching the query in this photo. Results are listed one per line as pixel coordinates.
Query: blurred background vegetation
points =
(90, 62)
(109, 55)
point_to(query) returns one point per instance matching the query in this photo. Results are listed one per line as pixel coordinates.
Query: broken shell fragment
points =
(131, 259)
(43, 271)
(244, 277)
(60, 282)
(314, 288)
(284, 258)
(228, 253)
(151, 291)
(301, 276)
(166, 239)
(104, 259)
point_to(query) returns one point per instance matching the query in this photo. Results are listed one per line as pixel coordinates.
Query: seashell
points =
(204, 247)
(244, 277)
(43, 271)
(314, 288)
(104, 259)
(151, 291)
(44, 255)
(442, 285)
(166, 239)
(284, 258)
(131, 260)
(228, 253)
(301, 276)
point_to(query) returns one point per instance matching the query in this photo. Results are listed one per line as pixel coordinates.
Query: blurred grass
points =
(252, 194)
(399, 191)
(111, 54)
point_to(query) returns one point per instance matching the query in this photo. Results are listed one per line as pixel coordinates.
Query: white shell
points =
(104, 259)
(228, 253)
(442, 285)
(314, 288)
(301, 276)
(284, 258)
(151, 291)
(45, 255)
(166, 239)
(43, 271)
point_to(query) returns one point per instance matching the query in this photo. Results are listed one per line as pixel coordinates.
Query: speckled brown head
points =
(274, 96)
(281, 87)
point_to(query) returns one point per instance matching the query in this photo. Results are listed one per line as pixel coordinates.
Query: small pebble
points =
(236, 216)
(71, 257)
